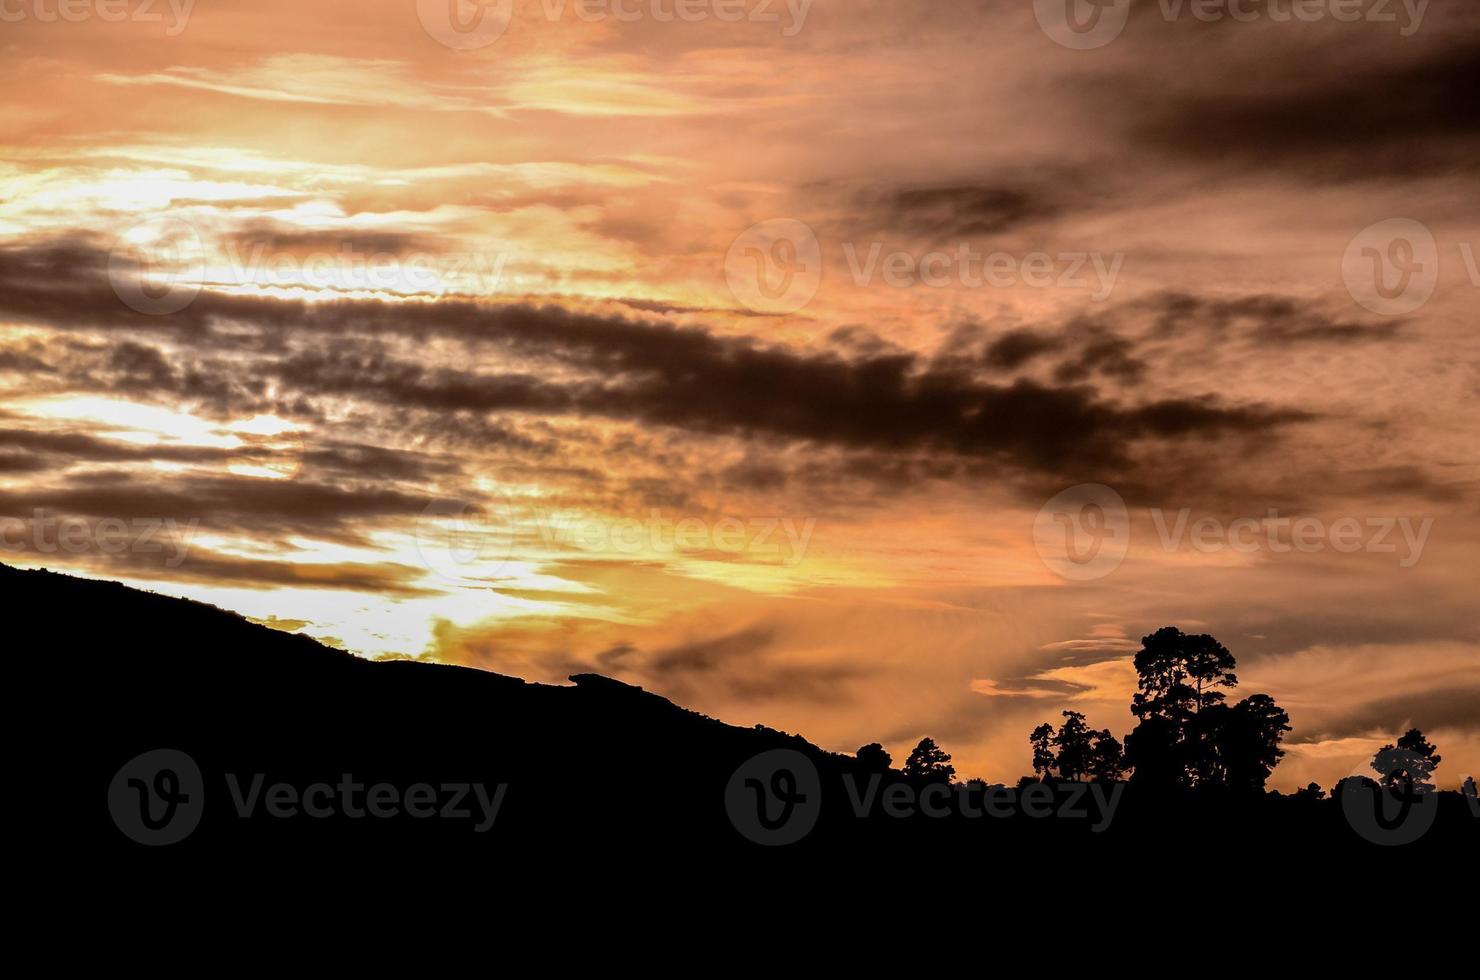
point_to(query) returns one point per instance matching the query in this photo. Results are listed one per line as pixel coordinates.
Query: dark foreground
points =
(188, 739)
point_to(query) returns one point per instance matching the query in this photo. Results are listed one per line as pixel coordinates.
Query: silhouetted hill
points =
(291, 739)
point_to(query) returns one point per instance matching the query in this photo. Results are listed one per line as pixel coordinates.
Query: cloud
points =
(274, 508)
(963, 211)
(1388, 122)
(315, 79)
(655, 373)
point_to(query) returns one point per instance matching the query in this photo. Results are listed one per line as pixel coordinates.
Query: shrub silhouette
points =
(874, 758)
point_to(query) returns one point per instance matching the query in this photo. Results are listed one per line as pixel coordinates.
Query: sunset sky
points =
(748, 356)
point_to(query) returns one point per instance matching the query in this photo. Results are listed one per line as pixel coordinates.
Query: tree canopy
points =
(1407, 767)
(1188, 735)
(929, 763)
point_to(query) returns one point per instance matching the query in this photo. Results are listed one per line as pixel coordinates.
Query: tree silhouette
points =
(1187, 735)
(1043, 756)
(874, 758)
(1408, 766)
(1107, 758)
(1347, 784)
(1155, 753)
(1081, 751)
(1246, 742)
(1311, 792)
(1179, 674)
(1074, 745)
(1210, 666)
(929, 763)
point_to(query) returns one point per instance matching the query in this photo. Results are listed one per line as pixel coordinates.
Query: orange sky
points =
(747, 358)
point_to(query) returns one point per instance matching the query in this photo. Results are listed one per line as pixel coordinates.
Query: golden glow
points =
(403, 490)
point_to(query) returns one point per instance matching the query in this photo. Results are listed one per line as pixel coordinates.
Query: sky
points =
(867, 369)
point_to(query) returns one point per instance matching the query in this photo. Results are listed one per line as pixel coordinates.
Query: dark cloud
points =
(263, 239)
(1018, 347)
(77, 447)
(964, 210)
(11, 462)
(738, 665)
(376, 462)
(663, 307)
(1452, 706)
(53, 449)
(1103, 354)
(169, 556)
(1263, 319)
(1120, 345)
(1346, 118)
(695, 381)
(708, 655)
(274, 508)
(21, 362)
(136, 367)
(660, 374)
